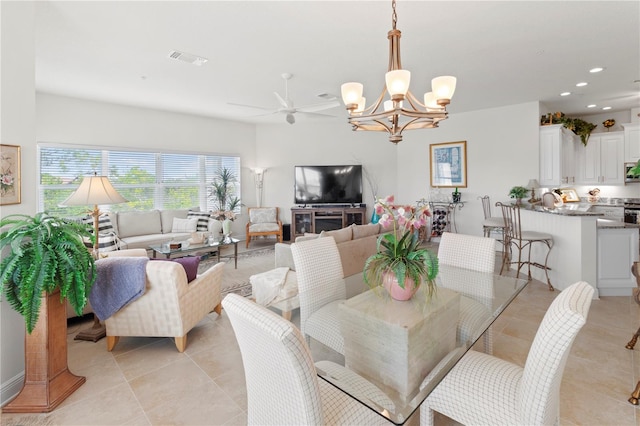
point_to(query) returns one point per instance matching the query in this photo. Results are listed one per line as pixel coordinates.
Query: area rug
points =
(249, 263)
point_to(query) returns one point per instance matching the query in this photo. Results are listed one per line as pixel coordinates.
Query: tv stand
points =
(317, 218)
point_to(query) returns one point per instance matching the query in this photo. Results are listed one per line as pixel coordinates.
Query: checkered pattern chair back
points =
(467, 251)
(319, 273)
(282, 387)
(539, 394)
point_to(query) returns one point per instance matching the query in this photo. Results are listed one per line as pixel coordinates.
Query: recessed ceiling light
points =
(596, 69)
(592, 106)
(606, 108)
(582, 83)
(565, 93)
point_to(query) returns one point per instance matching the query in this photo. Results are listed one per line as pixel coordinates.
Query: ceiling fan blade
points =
(319, 107)
(250, 106)
(281, 100)
(315, 114)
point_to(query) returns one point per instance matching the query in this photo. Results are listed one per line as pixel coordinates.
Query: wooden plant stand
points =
(48, 381)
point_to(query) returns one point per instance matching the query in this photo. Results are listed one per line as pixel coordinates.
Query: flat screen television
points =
(328, 184)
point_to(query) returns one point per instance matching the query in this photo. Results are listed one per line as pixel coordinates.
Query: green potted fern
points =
(45, 263)
(518, 192)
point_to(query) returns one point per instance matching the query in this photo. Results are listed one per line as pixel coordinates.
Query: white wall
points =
(17, 119)
(502, 152)
(326, 142)
(75, 121)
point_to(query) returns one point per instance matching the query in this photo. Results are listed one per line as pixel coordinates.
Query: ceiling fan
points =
(286, 104)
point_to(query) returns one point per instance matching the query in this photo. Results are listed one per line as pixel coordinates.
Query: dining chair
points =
(321, 287)
(478, 254)
(281, 379)
(521, 240)
(483, 389)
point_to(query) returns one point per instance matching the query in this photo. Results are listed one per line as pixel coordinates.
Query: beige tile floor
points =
(146, 381)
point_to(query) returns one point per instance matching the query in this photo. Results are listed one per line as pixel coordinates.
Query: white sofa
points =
(140, 229)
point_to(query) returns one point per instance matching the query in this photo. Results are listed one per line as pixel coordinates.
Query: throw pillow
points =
(105, 227)
(203, 220)
(107, 238)
(262, 215)
(184, 225)
(189, 263)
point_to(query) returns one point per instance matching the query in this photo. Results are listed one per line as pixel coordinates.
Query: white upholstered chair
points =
(478, 254)
(521, 240)
(263, 221)
(282, 385)
(170, 306)
(482, 389)
(321, 288)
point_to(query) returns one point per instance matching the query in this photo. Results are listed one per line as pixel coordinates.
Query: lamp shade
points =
(443, 87)
(430, 101)
(94, 190)
(533, 183)
(398, 82)
(351, 92)
(361, 104)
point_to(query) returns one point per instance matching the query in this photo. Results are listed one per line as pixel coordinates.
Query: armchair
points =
(263, 221)
(170, 306)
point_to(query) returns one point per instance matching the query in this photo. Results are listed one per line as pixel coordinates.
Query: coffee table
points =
(215, 246)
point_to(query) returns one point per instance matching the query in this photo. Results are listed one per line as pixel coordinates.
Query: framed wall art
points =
(448, 164)
(10, 183)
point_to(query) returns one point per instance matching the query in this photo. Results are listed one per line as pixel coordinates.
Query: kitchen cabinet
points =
(602, 160)
(631, 142)
(557, 155)
(617, 249)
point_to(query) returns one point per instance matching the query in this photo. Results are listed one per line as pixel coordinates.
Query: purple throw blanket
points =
(119, 281)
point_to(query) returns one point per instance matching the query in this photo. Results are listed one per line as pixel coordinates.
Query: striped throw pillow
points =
(203, 220)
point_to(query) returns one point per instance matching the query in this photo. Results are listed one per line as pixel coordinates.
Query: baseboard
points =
(11, 388)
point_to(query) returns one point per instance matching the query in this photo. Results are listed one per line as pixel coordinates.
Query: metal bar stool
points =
(635, 396)
(492, 224)
(515, 236)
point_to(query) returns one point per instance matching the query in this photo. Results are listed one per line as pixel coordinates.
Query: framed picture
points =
(449, 164)
(9, 174)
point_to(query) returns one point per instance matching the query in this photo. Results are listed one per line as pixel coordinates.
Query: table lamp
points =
(94, 190)
(533, 184)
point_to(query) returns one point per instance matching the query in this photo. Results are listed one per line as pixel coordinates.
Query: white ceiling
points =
(502, 52)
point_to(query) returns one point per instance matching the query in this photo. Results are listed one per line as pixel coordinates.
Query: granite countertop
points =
(577, 209)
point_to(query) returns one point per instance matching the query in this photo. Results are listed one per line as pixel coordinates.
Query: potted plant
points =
(223, 190)
(399, 264)
(46, 262)
(518, 192)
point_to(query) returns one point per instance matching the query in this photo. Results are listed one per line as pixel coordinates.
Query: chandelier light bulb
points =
(430, 101)
(398, 83)
(351, 92)
(443, 87)
(361, 103)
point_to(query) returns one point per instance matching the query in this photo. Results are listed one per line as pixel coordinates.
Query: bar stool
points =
(515, 236)
(492, 224)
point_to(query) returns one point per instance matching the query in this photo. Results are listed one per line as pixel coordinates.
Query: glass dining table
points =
(396, 352)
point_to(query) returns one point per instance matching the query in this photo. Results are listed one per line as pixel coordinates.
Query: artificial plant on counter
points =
(576, 125)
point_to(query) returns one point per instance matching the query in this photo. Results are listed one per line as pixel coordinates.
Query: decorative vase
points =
(374, 217)
(396, 292)
(456, 196)
(215, 226)
(226, 227)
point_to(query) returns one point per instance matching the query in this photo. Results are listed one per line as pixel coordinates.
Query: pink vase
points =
(396, 292)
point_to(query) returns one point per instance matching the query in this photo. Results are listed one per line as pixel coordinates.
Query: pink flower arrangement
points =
(403, 217)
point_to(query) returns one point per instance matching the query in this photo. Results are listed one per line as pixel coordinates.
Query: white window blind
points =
(148, 180)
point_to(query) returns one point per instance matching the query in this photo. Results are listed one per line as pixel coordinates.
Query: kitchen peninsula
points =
(586, 247)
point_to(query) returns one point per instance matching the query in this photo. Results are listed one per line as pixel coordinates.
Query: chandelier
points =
(402, 111)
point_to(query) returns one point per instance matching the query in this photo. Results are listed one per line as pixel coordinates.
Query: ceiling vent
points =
(187, 57)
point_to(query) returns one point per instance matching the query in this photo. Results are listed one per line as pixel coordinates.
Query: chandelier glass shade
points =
(397, 109)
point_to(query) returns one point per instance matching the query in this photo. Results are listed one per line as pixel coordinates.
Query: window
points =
(148, 180)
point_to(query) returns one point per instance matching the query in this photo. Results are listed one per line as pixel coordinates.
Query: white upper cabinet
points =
(557, 156)
(602, 160)
(631, 142)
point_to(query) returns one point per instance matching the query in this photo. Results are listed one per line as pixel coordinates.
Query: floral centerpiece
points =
(610, 122)
(399, 257)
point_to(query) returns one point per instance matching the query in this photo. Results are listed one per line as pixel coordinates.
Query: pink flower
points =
(379, 209)
(7, 180)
